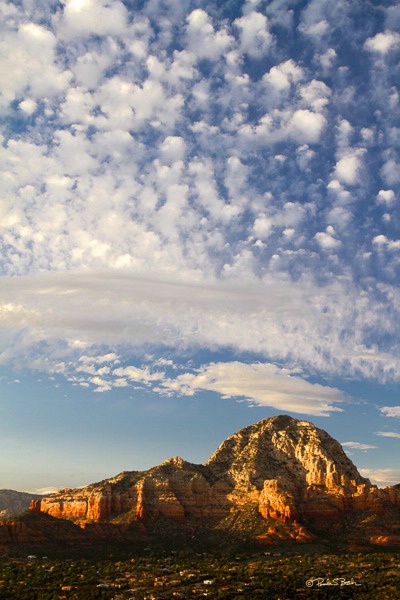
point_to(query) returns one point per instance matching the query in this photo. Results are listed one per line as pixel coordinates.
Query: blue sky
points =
(199, 228)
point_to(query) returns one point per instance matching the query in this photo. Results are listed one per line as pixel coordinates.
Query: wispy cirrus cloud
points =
(117, 309)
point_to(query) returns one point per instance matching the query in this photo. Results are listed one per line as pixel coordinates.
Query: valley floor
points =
(267, 575)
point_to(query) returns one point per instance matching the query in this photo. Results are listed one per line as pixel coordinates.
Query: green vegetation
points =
(180, 575)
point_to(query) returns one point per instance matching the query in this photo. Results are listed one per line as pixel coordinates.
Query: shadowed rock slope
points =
(278, 479)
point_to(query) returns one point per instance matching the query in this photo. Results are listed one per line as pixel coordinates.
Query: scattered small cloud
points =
(255, 37)
(390, 411)
(391, 434)
(358, 446)
(326, 239)
(381, 241)
(383, 42)
(111, 357)
(386, 196)
(139, 375)
(28, 106)
(348, 169)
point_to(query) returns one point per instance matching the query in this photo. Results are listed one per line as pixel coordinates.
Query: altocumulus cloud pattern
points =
(194, 175)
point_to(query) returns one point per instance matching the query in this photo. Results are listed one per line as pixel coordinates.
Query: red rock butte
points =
(280, 470)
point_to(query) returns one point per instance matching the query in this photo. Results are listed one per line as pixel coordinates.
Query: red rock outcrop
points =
(287, 468)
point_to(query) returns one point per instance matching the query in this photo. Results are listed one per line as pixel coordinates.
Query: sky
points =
(199, 228)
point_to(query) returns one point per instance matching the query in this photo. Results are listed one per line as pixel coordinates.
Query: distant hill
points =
(13, 502)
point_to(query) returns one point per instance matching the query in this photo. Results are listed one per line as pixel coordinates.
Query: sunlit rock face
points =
(288, 466)
(285, 469)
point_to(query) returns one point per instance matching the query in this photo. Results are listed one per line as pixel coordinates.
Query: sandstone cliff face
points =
(283, 468)
(176, 489)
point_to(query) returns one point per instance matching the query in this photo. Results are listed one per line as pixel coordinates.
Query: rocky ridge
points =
(280, 470)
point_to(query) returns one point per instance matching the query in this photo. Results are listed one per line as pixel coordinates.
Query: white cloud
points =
(202, 39)
(391, 411)
(164, 362)
(304, 156)
(381, 241)
(342, 195)
(173, 148)
(382, 43)
(367, 134)
(382, 477)
(315, 94)
(326, 239)
(28, 106)
(391, 171)
(386, 196)
(206, 190)
(302, 126)
(306, 127)
(348, 169)
(102, 385)
(81, 18)
(391, 434)
(263, 384)
(250, 5)
(315, 30)
(327, 59)
(236, 181)
(340, 217)
(344, 133)
(358, 446)
(281, 78)
(262, 227)
(290, 216)
(29, 65)
(37, 38)
(138, 374)
(283, 75)
(182, 67)
(111, 357)
(89, 67)
(255, 38)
